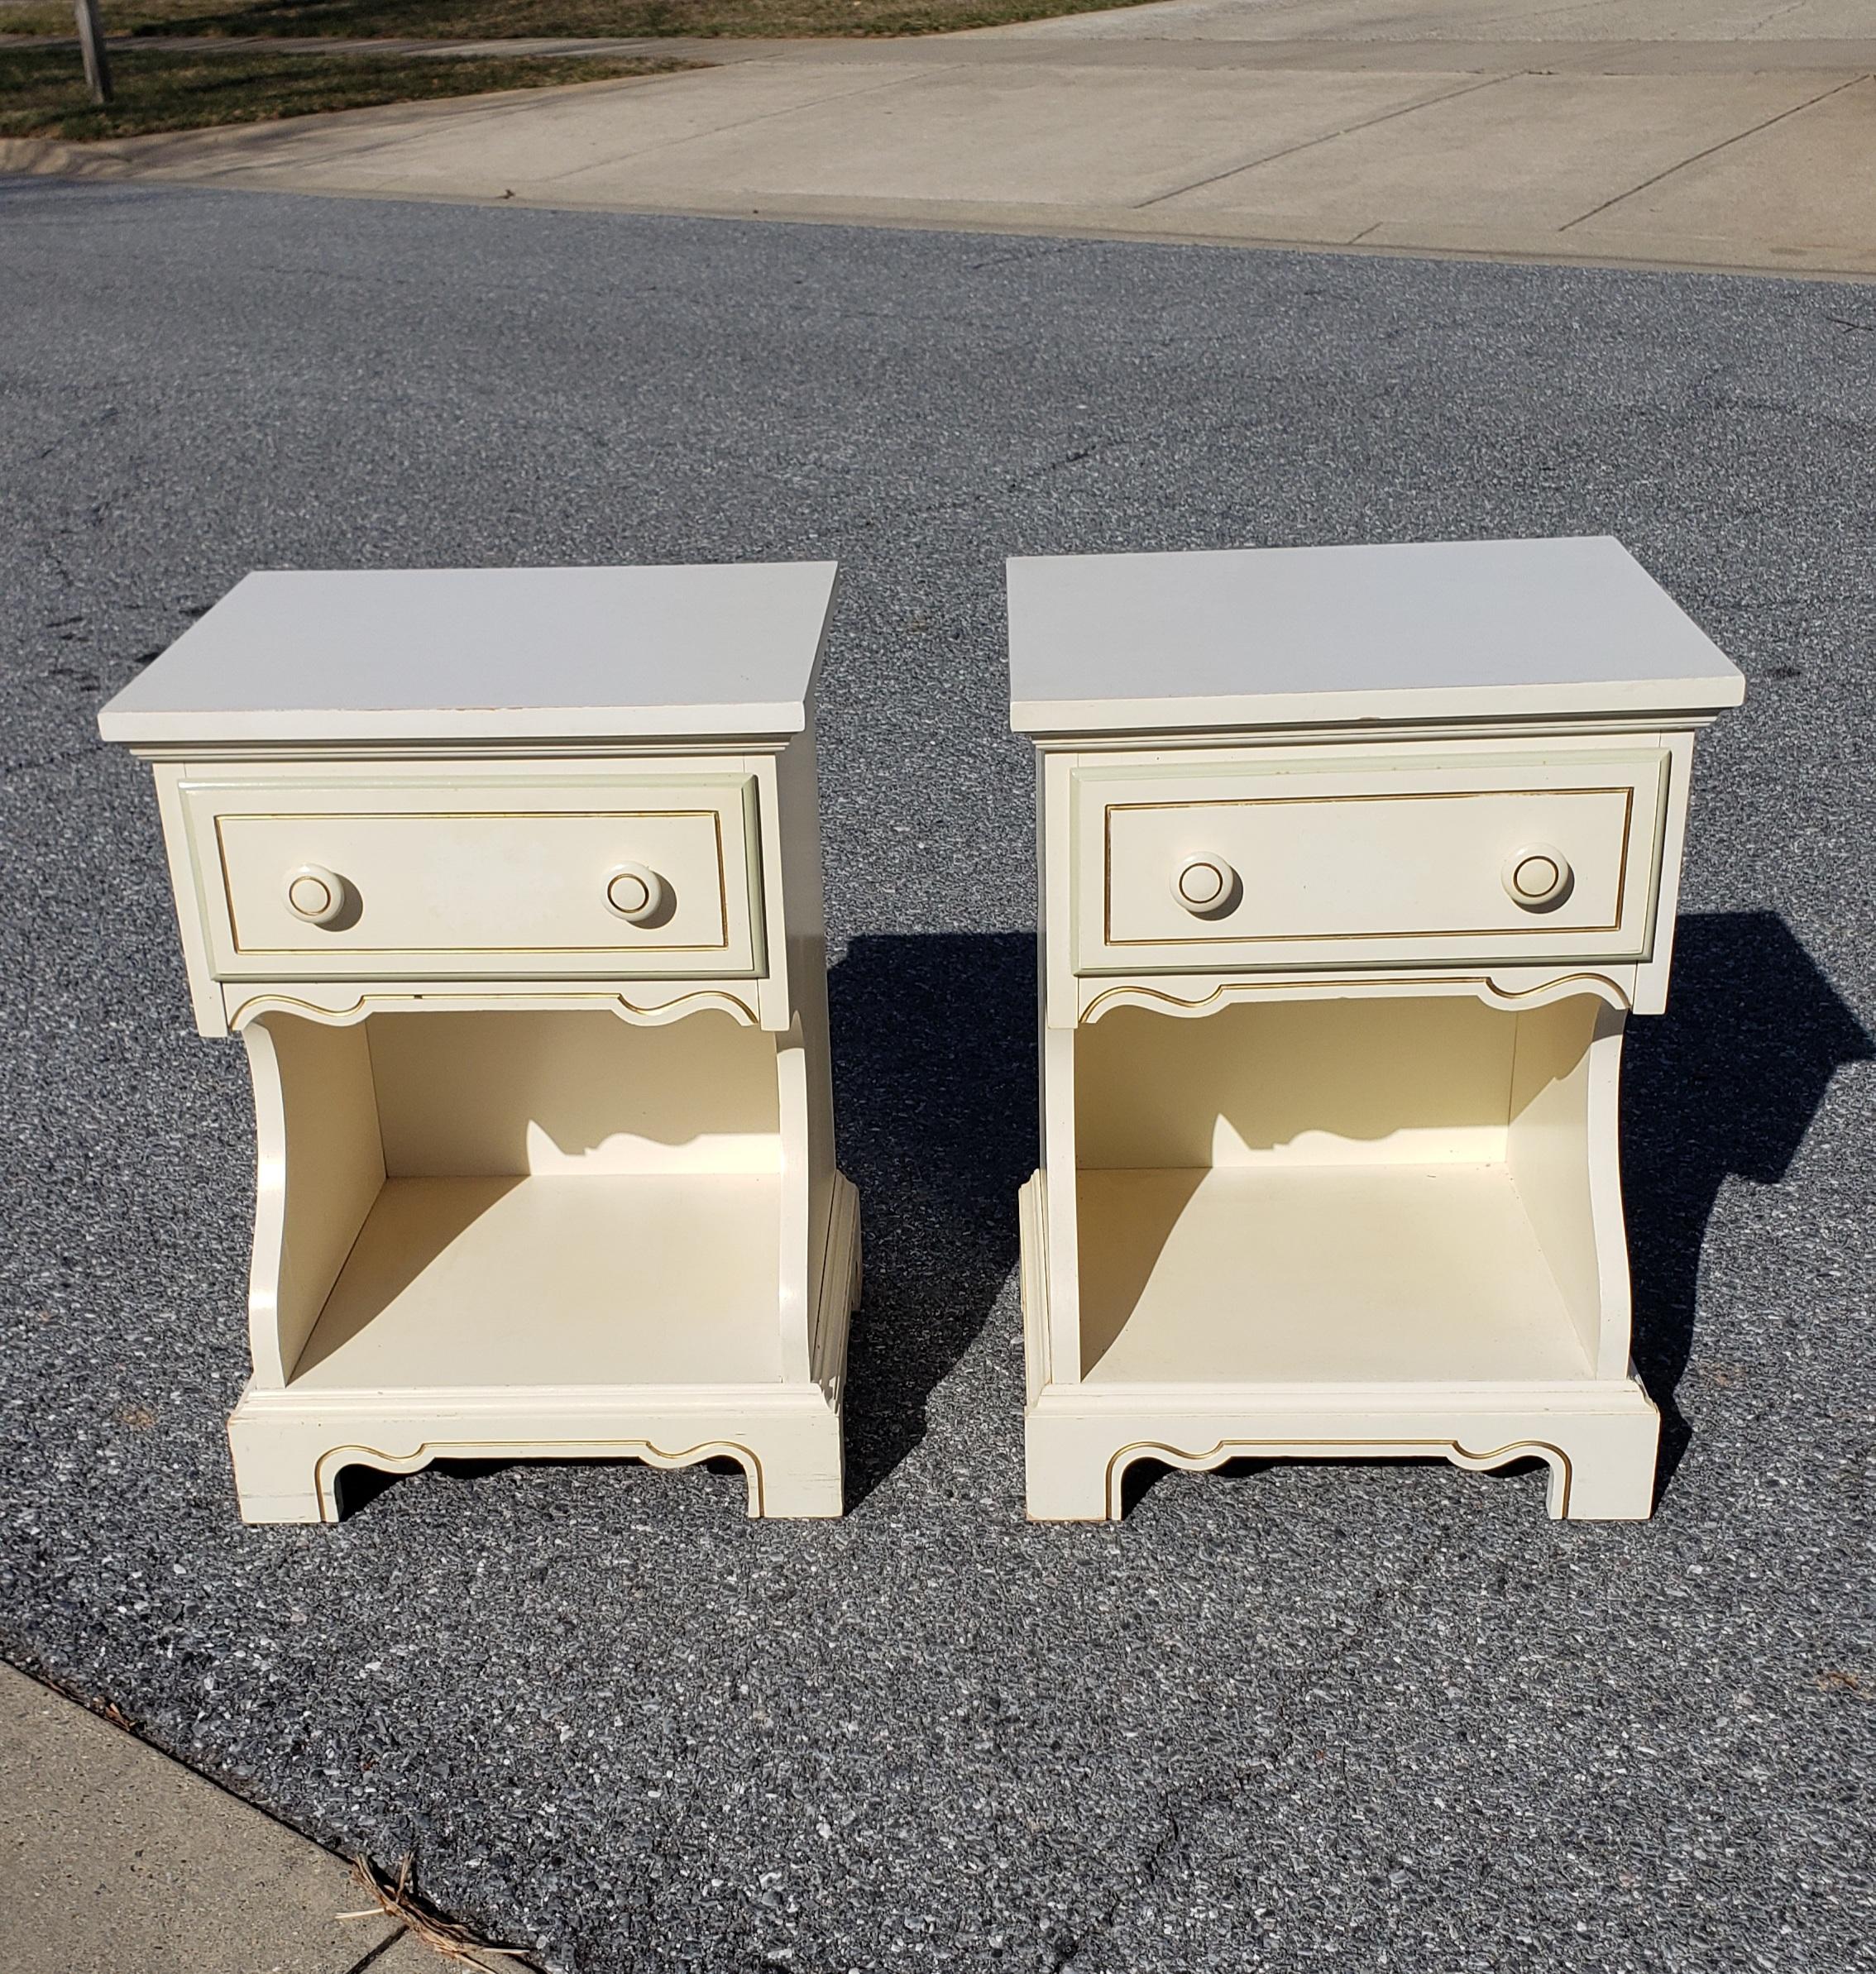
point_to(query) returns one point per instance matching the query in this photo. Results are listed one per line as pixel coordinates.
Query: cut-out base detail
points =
(1207, 996)
(1600, 1462)
(334, 1010)
(1559, 1461)
(1600, 1453)
(289, 1456)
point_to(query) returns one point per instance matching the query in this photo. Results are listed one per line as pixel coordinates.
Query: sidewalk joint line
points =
(1290, 151)
(662, 144)
(1713, 149)
(380, 128)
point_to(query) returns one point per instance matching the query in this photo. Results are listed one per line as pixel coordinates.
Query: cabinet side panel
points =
(1651, 983)
(1055, 853)
(205, 996)
(804, 1059)
(1561, 1149)
(798, 800)
(802, 1211)
(320, 1165)
(1062, 1239)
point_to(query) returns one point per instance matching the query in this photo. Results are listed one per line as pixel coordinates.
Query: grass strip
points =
(509, 20)
(42, 92)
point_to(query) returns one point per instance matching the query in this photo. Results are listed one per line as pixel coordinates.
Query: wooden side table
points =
(511, 882)
(1354, 862)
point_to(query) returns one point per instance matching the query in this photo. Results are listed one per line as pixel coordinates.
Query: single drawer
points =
(1366, 860)
(502, 877)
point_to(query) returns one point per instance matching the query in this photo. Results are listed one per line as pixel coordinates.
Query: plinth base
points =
(1599, 1437)
(290, 1446)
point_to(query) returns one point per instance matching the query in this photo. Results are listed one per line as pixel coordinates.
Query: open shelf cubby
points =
(1372, 1189)
(522, 1198)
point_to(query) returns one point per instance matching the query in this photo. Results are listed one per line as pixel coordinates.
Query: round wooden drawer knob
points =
(315, 894)
(1537, 875)
(637, 894)
(1206, 887)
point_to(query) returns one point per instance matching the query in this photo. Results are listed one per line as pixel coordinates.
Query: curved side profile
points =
(1354, 863)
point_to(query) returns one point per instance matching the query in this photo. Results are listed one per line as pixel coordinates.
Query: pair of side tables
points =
(1354, 861)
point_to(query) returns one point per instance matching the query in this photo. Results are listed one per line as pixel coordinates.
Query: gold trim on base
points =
(1558, 1498)
(327, 1467)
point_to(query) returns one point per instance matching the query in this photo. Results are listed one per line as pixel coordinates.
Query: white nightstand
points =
(1355, 860)
(511, 882)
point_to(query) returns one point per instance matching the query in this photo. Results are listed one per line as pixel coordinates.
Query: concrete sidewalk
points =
(1696, 133)
(114, 1860)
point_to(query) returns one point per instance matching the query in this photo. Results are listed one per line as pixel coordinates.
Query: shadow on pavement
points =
(1724, 1085)
(935, 1099)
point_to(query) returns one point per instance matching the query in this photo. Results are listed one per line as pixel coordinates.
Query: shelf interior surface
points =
(526, 1199)
(526, 1280)
(1347, 1191)
(1333, 1274)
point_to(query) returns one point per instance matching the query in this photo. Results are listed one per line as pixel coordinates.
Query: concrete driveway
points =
(1701, 133)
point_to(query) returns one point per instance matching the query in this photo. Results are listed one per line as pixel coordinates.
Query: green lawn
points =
(507, 19)
(42, 92)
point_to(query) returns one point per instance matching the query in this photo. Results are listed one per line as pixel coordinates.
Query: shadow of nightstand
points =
(934, 1038)
(1724, 1085)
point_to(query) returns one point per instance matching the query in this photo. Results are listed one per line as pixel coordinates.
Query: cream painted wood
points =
(1258, 640)
(1334, 987)
(1284, 862)
(1218, 968)
(642, 978)
(409, 658)
(461, 892)
(645, 1003)
(538, 1032)
(455, 875)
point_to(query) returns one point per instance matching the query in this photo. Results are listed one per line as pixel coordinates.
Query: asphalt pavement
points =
(1286, 1718)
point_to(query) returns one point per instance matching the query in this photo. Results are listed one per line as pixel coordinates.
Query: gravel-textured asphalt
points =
(1347, 1716)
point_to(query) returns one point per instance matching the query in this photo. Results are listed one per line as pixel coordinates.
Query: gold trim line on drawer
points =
(1424, 795)
(476, 816)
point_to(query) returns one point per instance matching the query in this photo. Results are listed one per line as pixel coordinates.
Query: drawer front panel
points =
(1346, 863)
(562, 878)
